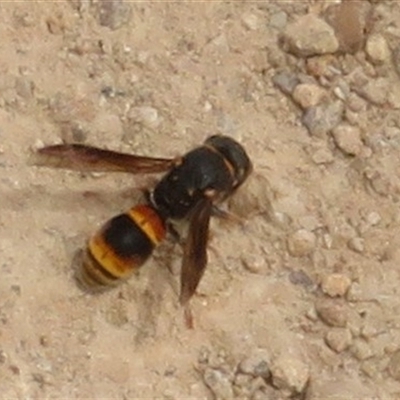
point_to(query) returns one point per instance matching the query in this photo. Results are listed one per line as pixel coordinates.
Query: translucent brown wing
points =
(87, 158)
(195, 251)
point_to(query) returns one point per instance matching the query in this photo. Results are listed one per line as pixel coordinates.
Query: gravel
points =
(332, 312)
(321, 119)
(309, 36)
(301, 243)
(335, 285)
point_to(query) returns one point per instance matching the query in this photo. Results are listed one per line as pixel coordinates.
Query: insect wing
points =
(87, 158)
(195, 251)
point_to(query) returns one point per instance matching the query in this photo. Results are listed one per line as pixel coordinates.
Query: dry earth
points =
(302, 300)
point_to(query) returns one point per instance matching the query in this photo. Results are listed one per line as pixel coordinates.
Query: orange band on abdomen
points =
(149, 221)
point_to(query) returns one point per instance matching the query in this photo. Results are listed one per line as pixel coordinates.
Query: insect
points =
(191, 189)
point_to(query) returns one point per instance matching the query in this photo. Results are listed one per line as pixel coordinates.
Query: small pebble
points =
(301, 243)
(44, 341)
(321, 119)
(376, 91)
(356, 244)
(278, 20)
(299, 277)
(207, 106)
(286, 81)
(348, 139)
(394, 366)
(338, 339)
(310, 222)
(377, 49)
(373, 368)
(335, 285)
(256, 364)
(255, 263)
(281, 218)
(277, 59)
(265, 393)
(250, 21)
(40, 379)
(84, 46)
(361, 350)
(356, 103)
(3, 357)
(312, 315)
(308, 95)
(24, 87)
(322, 156)
(391, 348)
(327, 240)
(117, 314)
(114, 13)
(245, 386)
(392, 134)
(309, 36)
(204, 356)
(339, 93)
(353, 118)
(343, 87)
(290, 374)
(378, 181)
(320, 66)
(372, 328)
(332, 312)
(373, 218)
(357, 293)
(56, 24)
(148, 116)
(219, 383)
(242, 380)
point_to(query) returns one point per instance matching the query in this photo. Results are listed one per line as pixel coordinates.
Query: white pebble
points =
(377, 49)
(219, 383)
(301, 243)
(289, 374)
(322, 155)
(373, 218)
(338, 339)
(309, 36)
(250, 21)
(146, 115)
(308, 95)
(348, 139)
(335, 285)
(356, 244)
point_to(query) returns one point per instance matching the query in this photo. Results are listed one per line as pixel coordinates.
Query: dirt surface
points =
(302, 299)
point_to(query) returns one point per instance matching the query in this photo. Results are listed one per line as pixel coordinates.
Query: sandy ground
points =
(300, 301)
